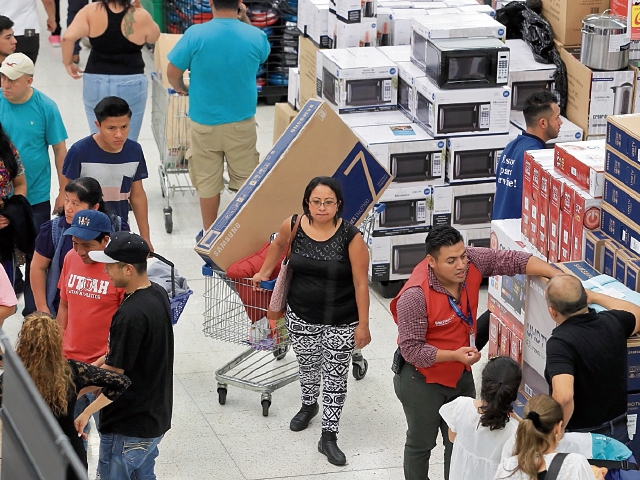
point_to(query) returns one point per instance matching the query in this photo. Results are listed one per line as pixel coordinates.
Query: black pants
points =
(58, 29)
(29, 46)
(74, 7)
(482, 333)
(41, 213)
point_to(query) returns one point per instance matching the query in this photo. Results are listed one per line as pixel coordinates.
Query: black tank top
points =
(112, 53)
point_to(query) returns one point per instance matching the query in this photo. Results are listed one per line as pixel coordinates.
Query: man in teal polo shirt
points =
(33, 122)
(223, 57)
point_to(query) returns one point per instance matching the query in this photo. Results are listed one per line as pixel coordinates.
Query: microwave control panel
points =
(421, 211)
(436, 165)
(502, 75)
(386, 90)
(485, 115)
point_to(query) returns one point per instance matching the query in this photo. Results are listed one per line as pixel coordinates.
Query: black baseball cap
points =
(125, 247)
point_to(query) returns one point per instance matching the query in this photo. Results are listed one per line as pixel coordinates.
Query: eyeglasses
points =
(326, 203)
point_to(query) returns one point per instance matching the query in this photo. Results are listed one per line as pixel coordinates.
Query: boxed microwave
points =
(413, 156)
(245, 225)
(565, 17)
(463, 205)
(461, 112)
(351, 35)
(318, 22)
(407, 74)
(475, 158)
(365, 119)
(508, 291)
(455, 63)
(453, 25)
(569, 131)
(594, 249)
(594, 95)
(477, 237)
(400, 25)
(357, 79)
(526, 75)
(583, 164)
(477, 8)
(355, 11)
(623, 136)
(622, 198)
(406, 209)
(399, 53)
(621, 169)
(394, 257)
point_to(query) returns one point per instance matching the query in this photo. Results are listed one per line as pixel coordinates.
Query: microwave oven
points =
(479, 242)
(404, 95)
(361, 92)
(463, 117)
(415, 166)
(406, 257)
(475, 164)
(466, 62)
(471, 209)
(403, 213)
(521, 90)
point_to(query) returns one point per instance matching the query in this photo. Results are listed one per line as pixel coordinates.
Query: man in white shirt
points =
(24, 14)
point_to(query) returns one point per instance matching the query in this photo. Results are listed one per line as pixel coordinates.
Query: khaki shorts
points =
(211, 144)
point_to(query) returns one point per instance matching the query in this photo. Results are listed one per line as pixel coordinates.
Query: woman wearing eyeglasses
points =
(327, 304)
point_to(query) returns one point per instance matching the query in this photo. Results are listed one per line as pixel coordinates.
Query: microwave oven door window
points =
(364, 92)
(419, 49)
(521, 90)
(413, 167)
(328, 86)
(398, 214)
(474, 164)
(471, 209)
(480, 242)
(461, 117)
(423, 111)
(404, 94)
(469, 70)
(406, 257)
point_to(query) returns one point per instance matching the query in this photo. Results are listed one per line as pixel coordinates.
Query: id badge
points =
(472, 339)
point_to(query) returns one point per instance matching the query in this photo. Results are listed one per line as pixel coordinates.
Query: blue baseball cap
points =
(89, 224)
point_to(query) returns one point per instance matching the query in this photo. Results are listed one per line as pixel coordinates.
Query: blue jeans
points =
(131, 88)
(41, 213)
(127, 458)
(82, 403)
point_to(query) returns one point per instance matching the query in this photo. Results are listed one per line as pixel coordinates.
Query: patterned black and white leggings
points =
(323, 351)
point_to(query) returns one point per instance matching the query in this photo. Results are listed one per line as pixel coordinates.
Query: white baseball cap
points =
(16, 65)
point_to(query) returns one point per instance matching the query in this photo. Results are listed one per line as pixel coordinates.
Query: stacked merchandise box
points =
(352, 23)
(565, 17)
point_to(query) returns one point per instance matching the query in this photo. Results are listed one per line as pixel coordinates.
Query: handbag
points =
(278, 303)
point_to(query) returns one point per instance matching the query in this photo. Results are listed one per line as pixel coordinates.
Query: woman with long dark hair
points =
(537, 436)
(12, 178)
(59, 380)
(117, 30)
(84, 193)
(479, 428)
(327, 304)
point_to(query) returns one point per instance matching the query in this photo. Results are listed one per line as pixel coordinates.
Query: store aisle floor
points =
(234, 441)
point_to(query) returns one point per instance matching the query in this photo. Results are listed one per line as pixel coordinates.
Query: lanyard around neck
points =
(468, 319)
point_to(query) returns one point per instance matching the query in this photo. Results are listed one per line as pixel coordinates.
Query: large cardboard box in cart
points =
(275, 188)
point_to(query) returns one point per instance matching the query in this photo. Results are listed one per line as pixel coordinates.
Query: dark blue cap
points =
(89, 224)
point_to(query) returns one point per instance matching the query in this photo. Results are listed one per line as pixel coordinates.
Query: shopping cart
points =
(234, 313)
(177, 302)
(171, 130)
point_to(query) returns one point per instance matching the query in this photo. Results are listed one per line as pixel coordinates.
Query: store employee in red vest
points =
(436, 317)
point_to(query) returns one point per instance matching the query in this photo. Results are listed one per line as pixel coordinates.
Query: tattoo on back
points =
(128, 23)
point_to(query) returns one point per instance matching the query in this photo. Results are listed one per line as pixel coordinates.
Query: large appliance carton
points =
(300, 154)
(569, 131)
(352, 35)
(463, 205)
(458, 25)
(413, 156)
(621, 169)
(623, 136)
(400, 24)
(357, 80)
(407, 75)
(163, 46)
(583, 164)
(526, 75)
(461, 112)
(565, 17)
(307, 63)
(620, 228)
(394, 256)
(623, 199)
(406, 210)
(529, 205)
(594, 95)
(594, 249)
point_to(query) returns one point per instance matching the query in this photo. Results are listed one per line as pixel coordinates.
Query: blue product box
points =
(620, 228)
(316, 143)
(632, 275)
(621, 136)
(580, 269)
(622, 169)
(626, 201)
(594, 249)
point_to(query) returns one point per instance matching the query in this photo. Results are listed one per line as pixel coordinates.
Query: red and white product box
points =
(543, 215)
(540, 165)
(555, 198)
(586, 216)
(527, 168)
(583, 164)
(566, 220)
(506, 333)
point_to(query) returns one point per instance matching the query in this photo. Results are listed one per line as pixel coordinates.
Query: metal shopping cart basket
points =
(171, 130)
(177, 302)
(234, 313)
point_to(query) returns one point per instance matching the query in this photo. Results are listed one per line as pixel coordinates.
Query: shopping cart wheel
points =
(168, 219)
(280, 351)
(265, 408)
(360, 366)
(222, 395)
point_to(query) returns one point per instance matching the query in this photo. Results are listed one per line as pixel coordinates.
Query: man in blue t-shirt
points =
(542, 116)
(116, 162)
(223, 57)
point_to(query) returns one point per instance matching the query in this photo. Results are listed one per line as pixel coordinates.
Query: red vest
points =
(445, 329)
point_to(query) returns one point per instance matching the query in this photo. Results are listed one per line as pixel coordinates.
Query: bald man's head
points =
(566, 295)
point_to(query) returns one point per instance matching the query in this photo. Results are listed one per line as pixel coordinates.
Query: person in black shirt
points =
(586, 357)
(141, 346)
(327, 304)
